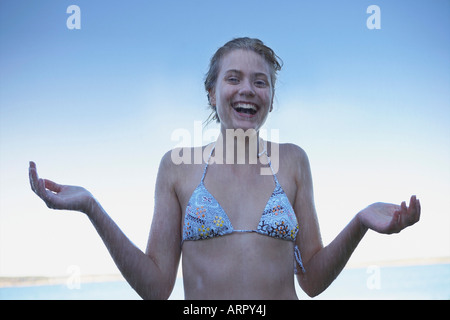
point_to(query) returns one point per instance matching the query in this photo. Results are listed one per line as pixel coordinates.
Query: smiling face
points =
(243, 94)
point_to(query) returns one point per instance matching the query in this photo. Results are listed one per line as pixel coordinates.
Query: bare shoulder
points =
(293, 152)
(166, 171)
(290, 159)
(178, 160)
(181, 167)
(296, 161)
(291, 155)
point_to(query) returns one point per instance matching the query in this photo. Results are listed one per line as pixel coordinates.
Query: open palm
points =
(390, 218)
(58, 196)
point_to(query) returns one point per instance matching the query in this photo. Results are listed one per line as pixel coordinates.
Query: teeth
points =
(246, 106)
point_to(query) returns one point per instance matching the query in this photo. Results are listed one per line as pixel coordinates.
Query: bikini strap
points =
(273, 172)
(298, 259)
(207, 162)
(270, 163)
(259, 155)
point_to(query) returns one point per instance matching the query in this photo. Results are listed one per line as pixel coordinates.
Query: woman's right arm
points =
(151, 274)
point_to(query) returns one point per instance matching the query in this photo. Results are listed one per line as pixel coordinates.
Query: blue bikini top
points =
(205, 218)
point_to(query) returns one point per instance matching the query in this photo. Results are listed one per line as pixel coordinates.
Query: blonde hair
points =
(245, 43)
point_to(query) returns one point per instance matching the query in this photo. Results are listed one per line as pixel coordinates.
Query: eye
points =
(233, 80)
(261, 83)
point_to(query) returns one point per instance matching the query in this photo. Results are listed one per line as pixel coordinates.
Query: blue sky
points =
(97, 106)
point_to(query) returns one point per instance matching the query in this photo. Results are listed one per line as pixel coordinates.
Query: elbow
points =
(160, 291)
(313, 291)
(157, 290)
(312, 288)
(152, 294)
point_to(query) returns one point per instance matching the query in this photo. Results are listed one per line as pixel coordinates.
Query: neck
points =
(239, 146)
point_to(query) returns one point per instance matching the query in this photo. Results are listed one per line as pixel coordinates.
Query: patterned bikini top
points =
(205, 218)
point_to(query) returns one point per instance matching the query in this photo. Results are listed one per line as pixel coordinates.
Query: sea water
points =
(405, 282)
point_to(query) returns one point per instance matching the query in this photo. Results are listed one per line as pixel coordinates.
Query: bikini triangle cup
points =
(205, 218)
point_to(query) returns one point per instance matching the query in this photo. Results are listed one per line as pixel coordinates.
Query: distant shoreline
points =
(400, 262)
(28, 281)
(6, 282)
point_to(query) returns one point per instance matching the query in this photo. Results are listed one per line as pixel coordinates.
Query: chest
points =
(242, 192)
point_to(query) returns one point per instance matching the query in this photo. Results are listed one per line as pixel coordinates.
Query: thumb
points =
(52, 186)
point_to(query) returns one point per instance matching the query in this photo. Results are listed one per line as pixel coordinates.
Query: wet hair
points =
(275, 63)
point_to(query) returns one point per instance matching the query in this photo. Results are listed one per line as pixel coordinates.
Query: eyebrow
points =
(257, 74)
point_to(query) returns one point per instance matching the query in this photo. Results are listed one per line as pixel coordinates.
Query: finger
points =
(409, 215)
(34, 178)
(51, 200)
(52, 186)
(404, 207)
(37, 184)
(412, 203)
(414, 209)
(40, 189)
(394, 225)
(32, 165)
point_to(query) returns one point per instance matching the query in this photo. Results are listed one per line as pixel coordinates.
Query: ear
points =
(212, 97)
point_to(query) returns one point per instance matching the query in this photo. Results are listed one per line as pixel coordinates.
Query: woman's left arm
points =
(323, 264)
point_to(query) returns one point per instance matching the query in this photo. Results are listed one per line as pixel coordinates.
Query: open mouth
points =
(245, 108)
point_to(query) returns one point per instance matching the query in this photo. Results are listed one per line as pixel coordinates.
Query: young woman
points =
(242, 234)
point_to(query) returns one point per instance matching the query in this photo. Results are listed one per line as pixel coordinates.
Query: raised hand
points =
(58, 196)
(390, 218)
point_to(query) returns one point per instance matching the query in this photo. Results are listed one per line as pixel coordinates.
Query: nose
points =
(246, 89)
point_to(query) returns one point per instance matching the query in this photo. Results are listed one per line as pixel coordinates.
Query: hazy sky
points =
(97, 106)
